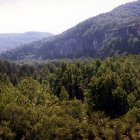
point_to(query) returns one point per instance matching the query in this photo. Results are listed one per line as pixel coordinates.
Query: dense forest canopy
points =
(59, 99)
(83, 84)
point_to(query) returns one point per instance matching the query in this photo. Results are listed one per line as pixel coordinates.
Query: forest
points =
(71, 99)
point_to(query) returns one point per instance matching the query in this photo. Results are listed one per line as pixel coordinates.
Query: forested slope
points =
(115, 32)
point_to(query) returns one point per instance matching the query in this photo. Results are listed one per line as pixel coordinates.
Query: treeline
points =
(90, 99)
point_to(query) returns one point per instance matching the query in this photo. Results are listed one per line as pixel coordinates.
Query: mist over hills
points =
(12, 40)
(112, 33)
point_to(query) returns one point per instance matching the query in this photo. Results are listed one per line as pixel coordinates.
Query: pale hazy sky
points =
(53, 16)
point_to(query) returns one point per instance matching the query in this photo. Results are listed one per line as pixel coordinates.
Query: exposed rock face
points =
(122, 40)
(133, 29)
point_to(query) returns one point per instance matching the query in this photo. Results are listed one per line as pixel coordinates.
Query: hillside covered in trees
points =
(88, 99)
(115, 32)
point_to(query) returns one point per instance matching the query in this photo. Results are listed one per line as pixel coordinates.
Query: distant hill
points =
(12, 40)
(112, 33)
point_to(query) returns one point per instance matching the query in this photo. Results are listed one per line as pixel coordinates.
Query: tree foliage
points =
(88, 99)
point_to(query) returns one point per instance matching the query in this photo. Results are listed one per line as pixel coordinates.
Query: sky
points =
(54, 16)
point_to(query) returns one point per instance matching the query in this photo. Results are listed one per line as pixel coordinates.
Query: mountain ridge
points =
(12, 40)
(87, 39)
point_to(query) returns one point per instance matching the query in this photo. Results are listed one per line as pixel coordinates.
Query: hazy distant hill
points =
(115, 32)
(12, 40)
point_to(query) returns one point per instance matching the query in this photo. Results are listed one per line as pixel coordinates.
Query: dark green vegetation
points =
(81, 99)
(115, 32)
(65, 100)
(12, 40)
